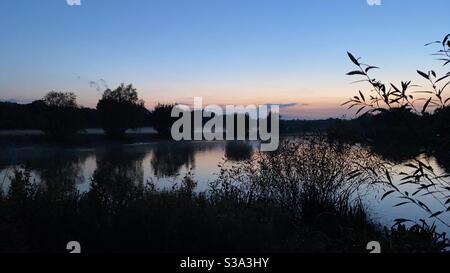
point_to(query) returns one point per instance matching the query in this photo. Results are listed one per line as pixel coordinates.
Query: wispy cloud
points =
(283, 105)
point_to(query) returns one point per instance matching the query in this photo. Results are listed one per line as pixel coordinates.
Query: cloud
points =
(374, 2)
(283, 105)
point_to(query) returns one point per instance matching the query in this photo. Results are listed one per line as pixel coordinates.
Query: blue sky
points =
(228, 51)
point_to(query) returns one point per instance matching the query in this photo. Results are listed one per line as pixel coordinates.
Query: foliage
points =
(386, 97)
(162, 119)
(396, 119)
(61, 118)
(60, 99)
(419, 238)
(309, 179)
(121, 109)
(427, 183)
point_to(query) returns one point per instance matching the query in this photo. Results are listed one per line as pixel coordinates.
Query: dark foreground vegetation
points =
(302, 198)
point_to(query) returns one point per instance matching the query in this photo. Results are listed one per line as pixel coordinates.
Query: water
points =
(162, 162)
(166, 162)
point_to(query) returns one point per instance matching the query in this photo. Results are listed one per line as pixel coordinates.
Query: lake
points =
(166, 162)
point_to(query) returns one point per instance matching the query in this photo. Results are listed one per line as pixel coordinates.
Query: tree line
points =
(60, 116)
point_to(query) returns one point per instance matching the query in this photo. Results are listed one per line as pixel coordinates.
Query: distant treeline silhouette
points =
(391, 125)
(60, 117)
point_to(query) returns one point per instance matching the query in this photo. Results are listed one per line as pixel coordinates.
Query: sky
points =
(290, 52)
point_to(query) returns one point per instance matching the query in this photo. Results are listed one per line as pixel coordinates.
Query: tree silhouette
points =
(121, 109)
(61, 99)
(162, 119)
(61, 117)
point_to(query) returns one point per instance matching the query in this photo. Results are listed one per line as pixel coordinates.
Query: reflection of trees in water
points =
(400, 153)
(59, 171)
(238, 150)
(123, 163)
(396, 151)
(170, 157)
(118, 176)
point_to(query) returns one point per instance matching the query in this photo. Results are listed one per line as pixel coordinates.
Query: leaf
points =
(416, 192)
(388, 177)
(362, 96)
(423, 74)
(436, 42)
(436, 214)
(440, 79)
(401, 204)
(386, 194)
(360, 109)
(424, 206)
(395, 87)
(400, 221)
(355, 73)
(371, 67)
(445, 86)
(445, 39)
(353, 59)
(426, 106)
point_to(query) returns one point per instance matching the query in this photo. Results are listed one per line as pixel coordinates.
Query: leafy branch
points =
(385, 97)
(381, 97)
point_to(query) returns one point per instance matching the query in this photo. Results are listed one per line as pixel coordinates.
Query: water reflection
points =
(121, 163)
(118, 175)
(66, 169)
(238, 150)
(60, 170)
(70, 168)
(168, 158)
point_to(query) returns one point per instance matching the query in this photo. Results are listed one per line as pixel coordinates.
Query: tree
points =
(120, 110)
(61, 99)
(61, 117)
(162, 119)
